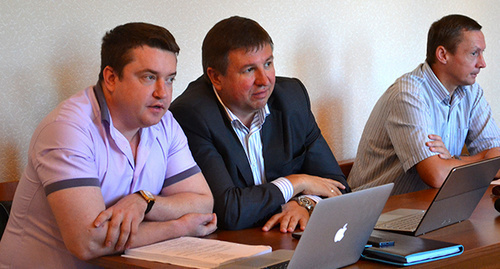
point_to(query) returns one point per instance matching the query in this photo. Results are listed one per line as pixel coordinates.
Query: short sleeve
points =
(408, 127)
(179, 158)
(63, 150)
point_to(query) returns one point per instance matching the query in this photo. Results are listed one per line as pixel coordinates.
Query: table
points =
(480, 236)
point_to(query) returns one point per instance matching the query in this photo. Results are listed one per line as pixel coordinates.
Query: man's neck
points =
(443, 78)
(245, 118)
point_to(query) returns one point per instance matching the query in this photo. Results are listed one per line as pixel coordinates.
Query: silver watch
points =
(305, 202)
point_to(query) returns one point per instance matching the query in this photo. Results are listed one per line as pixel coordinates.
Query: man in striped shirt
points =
(418, 128)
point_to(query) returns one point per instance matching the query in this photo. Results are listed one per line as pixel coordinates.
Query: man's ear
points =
(442, 54)
(215, 77)
(110, 78)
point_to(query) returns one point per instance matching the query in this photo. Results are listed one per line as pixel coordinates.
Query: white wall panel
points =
(346, 53)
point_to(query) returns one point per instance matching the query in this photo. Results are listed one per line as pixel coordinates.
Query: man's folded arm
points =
(190, 195)
(434, 170)
(76, 209)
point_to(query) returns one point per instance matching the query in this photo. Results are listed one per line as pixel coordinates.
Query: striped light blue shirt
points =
(417, 105)
(250, 139)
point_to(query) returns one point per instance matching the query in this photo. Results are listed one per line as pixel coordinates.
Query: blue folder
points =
(410, 250)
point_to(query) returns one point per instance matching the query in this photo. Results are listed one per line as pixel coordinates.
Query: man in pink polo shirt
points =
(110, 168)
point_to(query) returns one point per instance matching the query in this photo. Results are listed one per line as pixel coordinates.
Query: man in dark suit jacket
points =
(254, 135)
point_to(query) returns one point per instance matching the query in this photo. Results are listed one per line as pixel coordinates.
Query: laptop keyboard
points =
(404, 223)
(281, 265)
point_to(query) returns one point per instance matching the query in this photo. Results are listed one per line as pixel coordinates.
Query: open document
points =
(196, 252)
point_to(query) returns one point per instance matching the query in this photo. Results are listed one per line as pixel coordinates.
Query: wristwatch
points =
(305, 202)
(150, 199)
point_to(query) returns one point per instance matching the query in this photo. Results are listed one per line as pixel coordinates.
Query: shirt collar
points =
(438, 88)
(105, 116)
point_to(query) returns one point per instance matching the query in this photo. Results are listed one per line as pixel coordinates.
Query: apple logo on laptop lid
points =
(340, 233)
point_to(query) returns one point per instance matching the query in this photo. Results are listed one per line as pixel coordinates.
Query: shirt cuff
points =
(313, 197)
(285, 186)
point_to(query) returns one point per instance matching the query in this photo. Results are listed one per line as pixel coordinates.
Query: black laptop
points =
(455, 201)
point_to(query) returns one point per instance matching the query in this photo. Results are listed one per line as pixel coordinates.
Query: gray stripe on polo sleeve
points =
(181, 176)
(70, 183)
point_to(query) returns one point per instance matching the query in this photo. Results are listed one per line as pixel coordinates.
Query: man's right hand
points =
(291, 215)
(124, 218)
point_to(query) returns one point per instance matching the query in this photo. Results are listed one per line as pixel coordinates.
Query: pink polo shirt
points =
(77, 145)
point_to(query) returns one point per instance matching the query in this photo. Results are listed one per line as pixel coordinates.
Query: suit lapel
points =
(233, 144)
(272, 139)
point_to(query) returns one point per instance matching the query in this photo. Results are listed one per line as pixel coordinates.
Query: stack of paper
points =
(196, 252)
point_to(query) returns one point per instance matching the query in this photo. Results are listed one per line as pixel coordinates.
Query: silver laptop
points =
(455, 201)
(335, 235)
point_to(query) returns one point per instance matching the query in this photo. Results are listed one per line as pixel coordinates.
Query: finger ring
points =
(332, 190)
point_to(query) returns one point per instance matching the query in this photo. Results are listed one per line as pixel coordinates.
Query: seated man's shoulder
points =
(200, 82)
(411, 81)
(197, 91)
(407, 85)
(287, 86)
(79, 105)
(288, 81)
(74, 114)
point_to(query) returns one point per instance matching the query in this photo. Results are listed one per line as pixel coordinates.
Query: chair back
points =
(7, 190)
(346, 166)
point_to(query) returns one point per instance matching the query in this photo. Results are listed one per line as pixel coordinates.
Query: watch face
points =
(150, 199)
(148, 194)
(305, 201)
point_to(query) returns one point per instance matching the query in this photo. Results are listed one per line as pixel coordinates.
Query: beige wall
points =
(346, 53)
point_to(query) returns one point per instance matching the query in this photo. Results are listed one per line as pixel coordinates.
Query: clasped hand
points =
(124, 219)
(437, 145)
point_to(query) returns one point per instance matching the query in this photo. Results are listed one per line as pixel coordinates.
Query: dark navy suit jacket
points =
(292, 144)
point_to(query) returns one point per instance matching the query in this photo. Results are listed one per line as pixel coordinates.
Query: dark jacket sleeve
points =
(298, 147)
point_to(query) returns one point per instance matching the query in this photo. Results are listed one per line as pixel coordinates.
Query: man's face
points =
(143, 94)
(248, 82)
(464, 65)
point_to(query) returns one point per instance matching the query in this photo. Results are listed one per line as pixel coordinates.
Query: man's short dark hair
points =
(118, 43)
(230, 34)
(447, 32)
